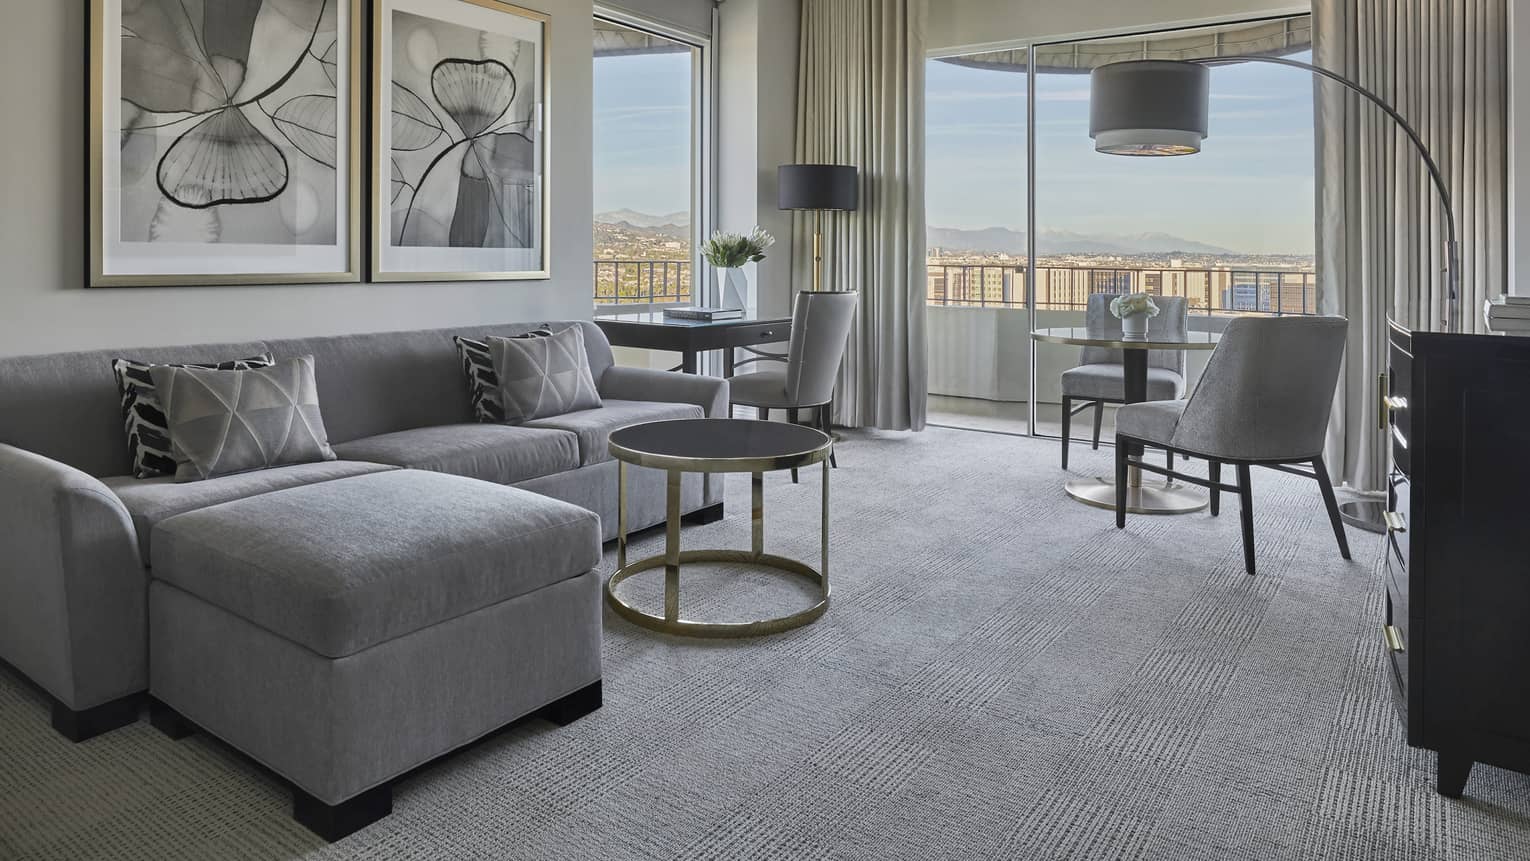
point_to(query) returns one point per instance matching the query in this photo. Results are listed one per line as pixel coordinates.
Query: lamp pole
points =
(1452, 245)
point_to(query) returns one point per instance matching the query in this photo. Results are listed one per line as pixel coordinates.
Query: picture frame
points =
(460, 156)
(225, 142)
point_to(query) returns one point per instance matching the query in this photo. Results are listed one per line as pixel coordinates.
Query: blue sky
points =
(643, 133)
(1250, 189)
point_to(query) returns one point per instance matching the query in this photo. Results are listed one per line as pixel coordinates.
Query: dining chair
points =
(1100, 377)
(1264, 400)
(820, 329)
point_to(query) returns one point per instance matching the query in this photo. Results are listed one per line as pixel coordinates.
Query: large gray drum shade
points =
(1149, 107)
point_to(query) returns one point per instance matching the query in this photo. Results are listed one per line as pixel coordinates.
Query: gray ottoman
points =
(347, 632)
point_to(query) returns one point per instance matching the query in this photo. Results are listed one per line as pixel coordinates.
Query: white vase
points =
(1134, 326)
(735, 288)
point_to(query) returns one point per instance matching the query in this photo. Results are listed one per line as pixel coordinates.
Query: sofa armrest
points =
(643, 384)
(73, 590)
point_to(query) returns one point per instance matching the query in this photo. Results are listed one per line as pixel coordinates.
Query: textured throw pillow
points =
(144, 418)
(223, 422)
(483, 383)
(541, 377)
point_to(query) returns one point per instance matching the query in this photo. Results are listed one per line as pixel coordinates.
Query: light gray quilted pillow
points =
(223, 422)
(542, 377)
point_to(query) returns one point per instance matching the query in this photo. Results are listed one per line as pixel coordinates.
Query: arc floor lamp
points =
(1162, 107)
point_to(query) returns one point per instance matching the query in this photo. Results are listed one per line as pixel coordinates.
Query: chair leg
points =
(1067, 421)
(764, 413)
(1121, 471)
(1170, 453)
(1099, 418)
(792, 415)
(1321, 471)
(1246, 514)
(1214, 472)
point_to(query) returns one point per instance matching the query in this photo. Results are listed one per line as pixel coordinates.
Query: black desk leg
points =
(727, 363)
(688, 362)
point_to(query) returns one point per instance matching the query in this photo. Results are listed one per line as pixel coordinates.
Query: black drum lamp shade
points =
(817, 187)
(1149, 107)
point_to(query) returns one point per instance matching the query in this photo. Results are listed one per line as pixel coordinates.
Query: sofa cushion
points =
(593, 427)
(223, 422)
(1109, 382)
(143, 415)
(543, 377)
(344, 565)
(497, 453)
(151, 500)
(483, 381)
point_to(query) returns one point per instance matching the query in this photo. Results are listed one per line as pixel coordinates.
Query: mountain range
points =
(633, 218)
(1006, 241)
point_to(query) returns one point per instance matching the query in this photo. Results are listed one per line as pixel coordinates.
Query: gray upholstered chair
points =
(1264, 400)
(1100, 378)
(820, 327)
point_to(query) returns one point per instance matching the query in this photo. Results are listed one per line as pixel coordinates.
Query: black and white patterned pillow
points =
(143, 416)
(483, 383)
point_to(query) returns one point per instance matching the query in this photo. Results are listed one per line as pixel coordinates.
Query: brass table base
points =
(1148, 497)
(692, 628)
(673, 557)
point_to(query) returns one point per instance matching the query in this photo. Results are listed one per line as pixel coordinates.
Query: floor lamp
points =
(1161, 108)
(817, 188)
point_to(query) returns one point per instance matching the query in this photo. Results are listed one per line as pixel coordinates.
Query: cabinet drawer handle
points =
(1397, 435)
(1395, 522)
(1394, 402)
(1394, 638)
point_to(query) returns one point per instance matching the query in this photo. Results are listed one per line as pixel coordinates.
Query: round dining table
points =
(1142, 497)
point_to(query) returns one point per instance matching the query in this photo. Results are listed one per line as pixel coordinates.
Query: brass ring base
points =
(1151, 497)
(694, 628)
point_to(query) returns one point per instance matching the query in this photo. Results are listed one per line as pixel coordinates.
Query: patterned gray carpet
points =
(1002, 674)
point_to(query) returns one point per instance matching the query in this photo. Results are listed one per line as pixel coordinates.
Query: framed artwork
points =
(459, 143)
(224, 142)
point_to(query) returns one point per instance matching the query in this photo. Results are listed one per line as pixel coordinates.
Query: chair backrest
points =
(1173, 320)
(1267, 391)
(820, 327)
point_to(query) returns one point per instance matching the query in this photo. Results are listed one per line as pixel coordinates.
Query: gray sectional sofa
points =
(341, 622)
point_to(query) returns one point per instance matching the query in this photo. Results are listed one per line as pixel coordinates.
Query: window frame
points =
(703, 150)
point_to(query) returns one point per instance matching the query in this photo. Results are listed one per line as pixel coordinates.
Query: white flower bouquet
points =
(732, 250)
(1133, 305)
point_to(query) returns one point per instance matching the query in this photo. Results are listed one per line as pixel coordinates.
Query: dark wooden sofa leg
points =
(78, 726)
(574, 706)
(169, 721)
(337, 821)
(703, 516)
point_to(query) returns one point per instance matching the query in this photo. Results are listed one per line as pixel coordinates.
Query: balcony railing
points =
(642, 282)
(1209, 291)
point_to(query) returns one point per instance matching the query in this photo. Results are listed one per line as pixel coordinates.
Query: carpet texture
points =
(1001, 674)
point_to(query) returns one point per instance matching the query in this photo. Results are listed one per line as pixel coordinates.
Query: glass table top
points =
(1154, 340)
(718, 440)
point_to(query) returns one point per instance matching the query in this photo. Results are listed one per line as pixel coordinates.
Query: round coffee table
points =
(716, 446)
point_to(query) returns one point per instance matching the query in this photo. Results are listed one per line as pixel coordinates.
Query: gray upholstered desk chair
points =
(820, 327)
(1264, 400)
(1100, 378)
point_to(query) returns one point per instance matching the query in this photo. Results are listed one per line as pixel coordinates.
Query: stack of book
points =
(1508, 314)
(705, 315)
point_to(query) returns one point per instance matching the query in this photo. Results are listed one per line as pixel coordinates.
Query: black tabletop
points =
(717, 442)
(657, 318)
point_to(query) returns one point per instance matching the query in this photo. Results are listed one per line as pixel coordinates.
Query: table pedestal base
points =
(1148, 497)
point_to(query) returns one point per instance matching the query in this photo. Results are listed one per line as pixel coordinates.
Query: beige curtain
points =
(861, 102)
(1380, 245)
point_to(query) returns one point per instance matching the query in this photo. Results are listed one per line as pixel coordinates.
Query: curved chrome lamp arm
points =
(1452, 246)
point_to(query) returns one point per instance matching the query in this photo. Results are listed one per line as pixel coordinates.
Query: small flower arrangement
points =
(732, 250)
(1133, 305)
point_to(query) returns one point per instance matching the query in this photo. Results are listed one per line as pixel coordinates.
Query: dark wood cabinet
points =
(1458, 547)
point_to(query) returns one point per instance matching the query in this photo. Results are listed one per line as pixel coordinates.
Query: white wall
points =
(757, 121)
(958, 24)
(44, 307)
(1519, 147)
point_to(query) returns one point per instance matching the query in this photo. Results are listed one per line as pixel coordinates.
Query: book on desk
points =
(707, 315)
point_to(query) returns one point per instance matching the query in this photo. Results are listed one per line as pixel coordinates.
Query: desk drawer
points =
(761, 333)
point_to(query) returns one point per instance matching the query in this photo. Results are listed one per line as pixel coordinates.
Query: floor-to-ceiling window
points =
(1231, 229)
(649, 164)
